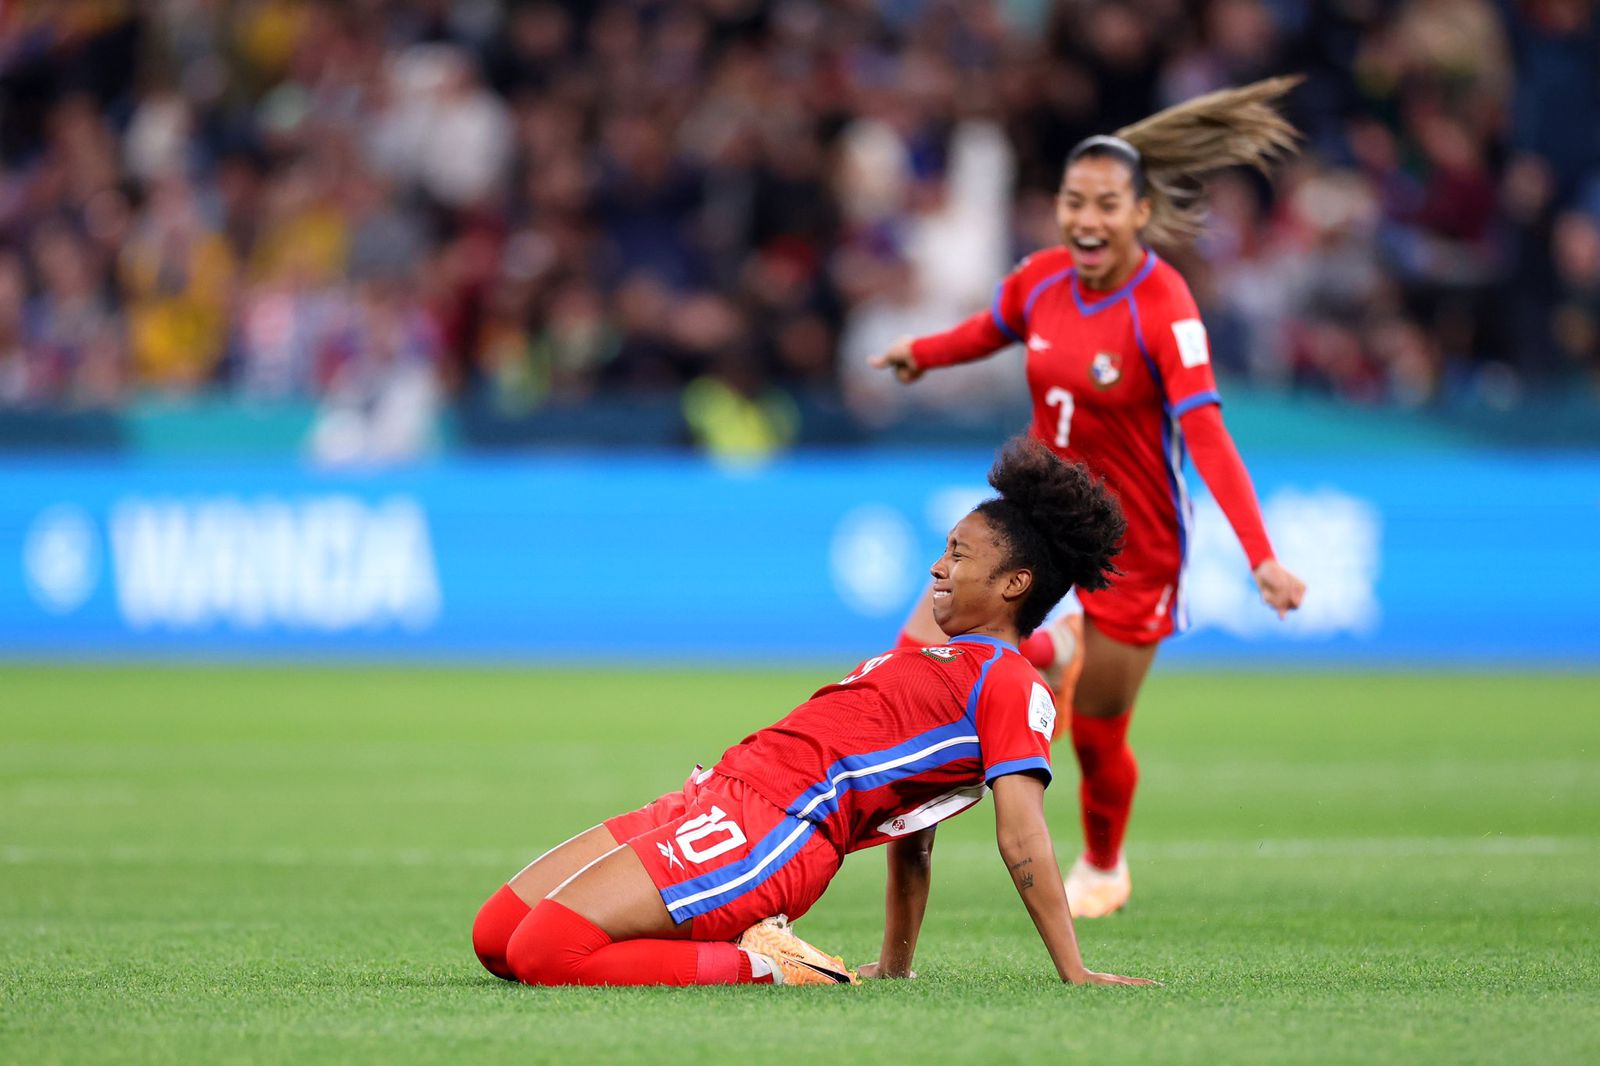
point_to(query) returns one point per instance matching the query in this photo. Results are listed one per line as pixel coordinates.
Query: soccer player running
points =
(1120, 373)
(693, 889)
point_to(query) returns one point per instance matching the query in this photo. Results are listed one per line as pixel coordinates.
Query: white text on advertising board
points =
(330, 563)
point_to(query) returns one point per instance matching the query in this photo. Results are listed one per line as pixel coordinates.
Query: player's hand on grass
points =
(1090, 977)
(899, 359)
(1280, 589)
(874, 970)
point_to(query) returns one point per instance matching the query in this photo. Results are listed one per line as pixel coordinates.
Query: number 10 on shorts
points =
(714, 826)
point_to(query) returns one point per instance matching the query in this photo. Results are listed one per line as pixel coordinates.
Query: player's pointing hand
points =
(1280, 589)
(899, 359)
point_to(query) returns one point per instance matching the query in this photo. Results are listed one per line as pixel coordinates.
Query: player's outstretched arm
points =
(910, 357)
(1223, 471)
(905, 901)
(1025, 845)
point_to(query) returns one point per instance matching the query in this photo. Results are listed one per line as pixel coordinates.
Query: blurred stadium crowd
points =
(389, 206)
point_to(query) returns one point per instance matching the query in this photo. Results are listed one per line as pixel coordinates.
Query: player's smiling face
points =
(970, 584)
(1100, 218)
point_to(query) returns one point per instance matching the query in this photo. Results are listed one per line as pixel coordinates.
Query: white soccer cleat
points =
(794, 961)
(1066, 634)
(1095, 893)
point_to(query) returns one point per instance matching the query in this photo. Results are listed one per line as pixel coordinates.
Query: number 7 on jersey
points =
(1055, 396)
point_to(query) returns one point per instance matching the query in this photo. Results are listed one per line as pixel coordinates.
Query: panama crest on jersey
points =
(1105, 369)
(943, 653)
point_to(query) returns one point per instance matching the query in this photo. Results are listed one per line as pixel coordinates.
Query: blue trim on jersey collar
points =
(999, 647)
(979, 638)
(1039, 290)
(1094, 308)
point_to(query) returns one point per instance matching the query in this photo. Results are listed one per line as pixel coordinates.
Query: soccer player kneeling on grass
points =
(693, 889)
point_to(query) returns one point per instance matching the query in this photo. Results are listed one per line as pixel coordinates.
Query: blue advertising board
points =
(1480, 559)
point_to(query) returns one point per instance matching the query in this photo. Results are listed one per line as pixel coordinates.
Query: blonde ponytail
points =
(1179, 146)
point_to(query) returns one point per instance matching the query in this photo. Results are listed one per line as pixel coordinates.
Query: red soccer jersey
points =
(910, 738)
(1110, 374)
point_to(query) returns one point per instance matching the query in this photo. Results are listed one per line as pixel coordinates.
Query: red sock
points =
(555, 945)
(496, 921)
(1038, 649)
(1110, 775)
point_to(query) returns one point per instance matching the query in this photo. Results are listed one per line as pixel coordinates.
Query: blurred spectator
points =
(381, 206)
(177, 276)
(1575, 319)
(19, 376)
(73, 330)
(382, 389)
(441, 129)
(1557, 45)
(733, 417)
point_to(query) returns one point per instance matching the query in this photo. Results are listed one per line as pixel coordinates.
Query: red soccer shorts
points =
(725, 857)
(1137, 608)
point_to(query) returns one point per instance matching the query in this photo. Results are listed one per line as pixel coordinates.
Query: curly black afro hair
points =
(1055, 519)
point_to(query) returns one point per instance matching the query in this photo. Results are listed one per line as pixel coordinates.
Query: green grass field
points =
(218, 865)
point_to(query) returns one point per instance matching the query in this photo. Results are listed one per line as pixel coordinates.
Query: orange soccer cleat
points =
(1095, 893)
(793, 960)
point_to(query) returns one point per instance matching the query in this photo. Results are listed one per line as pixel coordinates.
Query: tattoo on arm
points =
(1025, 881)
